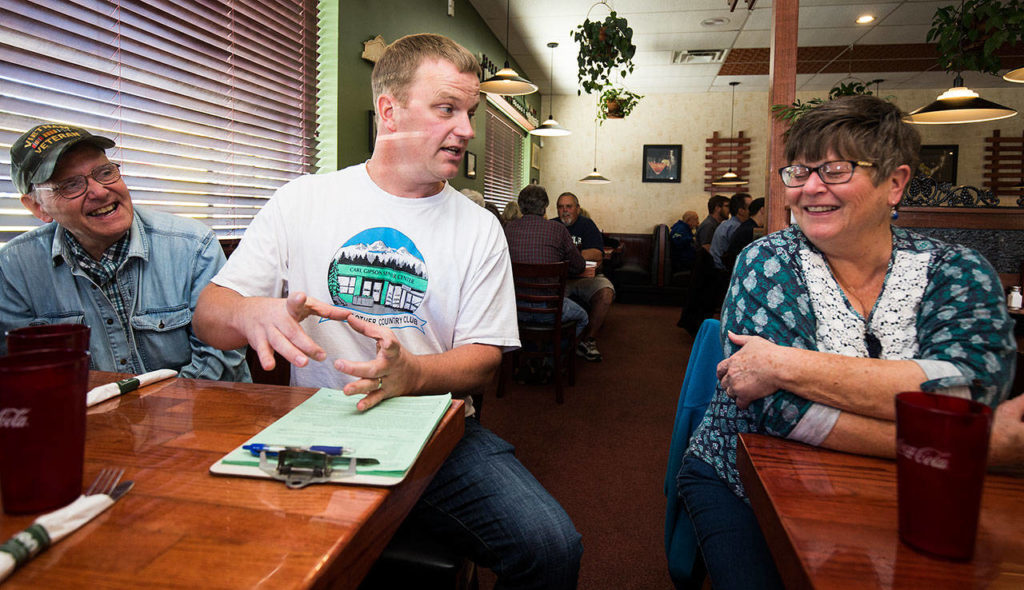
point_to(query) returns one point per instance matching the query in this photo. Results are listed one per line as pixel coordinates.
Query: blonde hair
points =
(396, 69)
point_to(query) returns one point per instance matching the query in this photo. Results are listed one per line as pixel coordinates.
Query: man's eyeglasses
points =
(74, 187)
(834, 172)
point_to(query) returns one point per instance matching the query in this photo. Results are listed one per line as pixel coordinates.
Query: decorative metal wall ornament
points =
(926, 192)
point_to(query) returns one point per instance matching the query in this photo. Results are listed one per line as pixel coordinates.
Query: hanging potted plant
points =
(616, 103)
(968, 36)
(792, 112)
(604, 46)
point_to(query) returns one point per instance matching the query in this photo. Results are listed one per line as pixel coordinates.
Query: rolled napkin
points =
(54, 526)
(105, 392)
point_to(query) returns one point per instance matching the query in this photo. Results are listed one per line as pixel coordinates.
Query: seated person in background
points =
(474, 196)
(132, 275)
(511, 213)
(744, 234)
(825, 321)
(535, 239)
(739, 209)
(597, 291)
(434, 312)
(717, 213)
(682, 236)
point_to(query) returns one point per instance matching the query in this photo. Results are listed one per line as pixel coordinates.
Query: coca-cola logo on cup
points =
(14, 418)
(924, 455)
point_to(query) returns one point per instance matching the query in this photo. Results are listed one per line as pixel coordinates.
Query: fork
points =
(106, 481)
(54, 526)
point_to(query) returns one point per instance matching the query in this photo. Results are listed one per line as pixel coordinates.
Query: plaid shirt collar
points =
(101, 271)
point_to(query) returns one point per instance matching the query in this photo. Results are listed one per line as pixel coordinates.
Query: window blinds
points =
(504, 169)
(212, 103)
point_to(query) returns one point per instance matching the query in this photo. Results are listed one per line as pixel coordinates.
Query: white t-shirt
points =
(434, 269)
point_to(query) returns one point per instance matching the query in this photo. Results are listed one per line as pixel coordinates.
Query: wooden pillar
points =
(782, 90)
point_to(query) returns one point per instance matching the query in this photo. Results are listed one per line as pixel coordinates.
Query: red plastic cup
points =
(42, 429)
(73, 336)
(941, 453)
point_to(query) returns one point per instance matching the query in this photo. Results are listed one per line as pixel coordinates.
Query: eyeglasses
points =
(834, 172)
(74, 187)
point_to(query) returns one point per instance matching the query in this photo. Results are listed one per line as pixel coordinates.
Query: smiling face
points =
(98, 218)
(427, 134)
(848, 215)
(568, 209)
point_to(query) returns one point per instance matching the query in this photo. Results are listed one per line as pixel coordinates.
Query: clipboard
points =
(391, 435)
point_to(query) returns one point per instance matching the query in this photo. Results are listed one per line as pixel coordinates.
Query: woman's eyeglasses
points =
(74, 187)
(834, 172)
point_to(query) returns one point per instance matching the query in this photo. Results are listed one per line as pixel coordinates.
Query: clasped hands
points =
(274, 326)
(750, 373)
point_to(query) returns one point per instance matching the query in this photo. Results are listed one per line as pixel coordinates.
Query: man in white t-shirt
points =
(381, 279)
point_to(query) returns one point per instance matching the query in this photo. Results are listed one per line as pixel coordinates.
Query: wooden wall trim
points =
(1000, 218)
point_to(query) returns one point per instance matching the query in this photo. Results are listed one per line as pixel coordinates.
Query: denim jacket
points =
(170, 260)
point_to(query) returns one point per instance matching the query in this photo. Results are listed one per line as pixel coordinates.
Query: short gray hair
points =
(533, 200)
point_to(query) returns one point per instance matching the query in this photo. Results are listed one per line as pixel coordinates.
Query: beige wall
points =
(631, 206)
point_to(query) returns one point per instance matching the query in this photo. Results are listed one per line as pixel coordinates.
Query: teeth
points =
(821, 209)
(104, 210)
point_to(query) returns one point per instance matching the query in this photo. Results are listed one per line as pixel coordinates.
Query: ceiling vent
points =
(699, 56)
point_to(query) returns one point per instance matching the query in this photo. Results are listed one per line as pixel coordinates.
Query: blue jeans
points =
(730, 539)
(486, 504)
(571, 311)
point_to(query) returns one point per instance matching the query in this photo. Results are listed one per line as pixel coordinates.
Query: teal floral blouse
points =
(941, 306)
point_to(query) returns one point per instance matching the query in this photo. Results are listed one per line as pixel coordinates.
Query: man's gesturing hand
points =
(392, 372)
(273, 324)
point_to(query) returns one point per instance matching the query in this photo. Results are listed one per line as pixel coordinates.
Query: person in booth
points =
(825, 321)
(382, 280)
(131, 274)
(596, 292)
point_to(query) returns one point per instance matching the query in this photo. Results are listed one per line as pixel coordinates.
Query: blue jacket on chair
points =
(698, 387)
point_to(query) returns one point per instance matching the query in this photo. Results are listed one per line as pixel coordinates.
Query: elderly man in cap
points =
(131, 275)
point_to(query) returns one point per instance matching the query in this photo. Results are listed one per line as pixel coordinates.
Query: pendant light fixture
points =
(507, 82)
(730, 178)
(959, 104)
(595, 177)
(550, 127)
(1015, 76)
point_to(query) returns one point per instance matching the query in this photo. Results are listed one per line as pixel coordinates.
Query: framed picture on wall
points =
(938, 162)
(470, 165)
(662, 163)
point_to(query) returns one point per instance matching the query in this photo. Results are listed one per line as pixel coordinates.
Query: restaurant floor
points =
(603, 452)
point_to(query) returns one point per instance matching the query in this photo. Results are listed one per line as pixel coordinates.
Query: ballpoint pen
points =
(273, 450)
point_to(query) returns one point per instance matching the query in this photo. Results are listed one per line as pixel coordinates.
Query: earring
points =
(895, 213)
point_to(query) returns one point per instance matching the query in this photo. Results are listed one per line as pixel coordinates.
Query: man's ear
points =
(35, 207)
(386, 111)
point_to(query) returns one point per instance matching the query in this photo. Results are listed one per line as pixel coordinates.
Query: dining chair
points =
(685, 565)
(540, 291)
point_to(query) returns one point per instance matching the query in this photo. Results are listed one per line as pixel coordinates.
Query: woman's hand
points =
(752, 371)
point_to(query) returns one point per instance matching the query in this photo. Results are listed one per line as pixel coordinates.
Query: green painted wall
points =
(362, 20)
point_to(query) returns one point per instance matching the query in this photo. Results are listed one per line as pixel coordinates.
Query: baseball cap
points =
(34, 155)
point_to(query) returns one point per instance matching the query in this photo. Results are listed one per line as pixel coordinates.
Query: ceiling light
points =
(507, 82)
(595, 177)
(1015, 76)
(550, 127)
(865, 19)
(716, 21)
(730, 178)
(959, 105)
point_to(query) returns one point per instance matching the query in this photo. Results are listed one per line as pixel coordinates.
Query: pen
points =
(272, 450)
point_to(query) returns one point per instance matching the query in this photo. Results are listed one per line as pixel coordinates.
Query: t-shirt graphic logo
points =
(380, 275)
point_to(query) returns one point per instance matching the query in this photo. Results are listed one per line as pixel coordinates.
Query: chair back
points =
(540, 288)
(698, 388)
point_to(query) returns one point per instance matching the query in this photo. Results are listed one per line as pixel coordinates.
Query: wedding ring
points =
(380, 383)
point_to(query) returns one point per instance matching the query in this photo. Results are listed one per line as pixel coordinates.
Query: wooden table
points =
(181, 527)
(830, 521)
